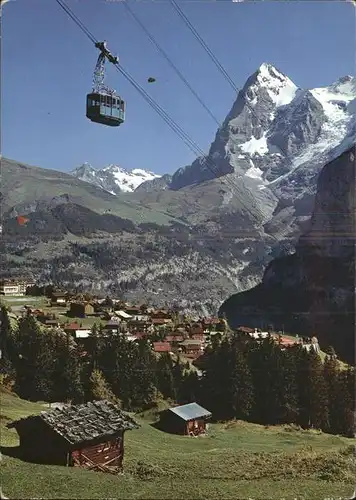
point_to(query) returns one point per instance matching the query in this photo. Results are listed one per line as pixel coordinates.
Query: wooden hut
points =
(189, 419)
(89, 435)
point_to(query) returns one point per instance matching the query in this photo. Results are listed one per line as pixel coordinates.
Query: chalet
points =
(188, 420)
(132, 310)
(198, 336)
(81, 309)
(112, 326)
(135, 325)
(59, 299)
(76, 331)
(161, 314)
(160, 321)
(245, 329)
(123, 315)
(174, 338)
(162, 347)
(50, 322)
(258, 334)
(196, 329)
(192, 348)
(89, 435)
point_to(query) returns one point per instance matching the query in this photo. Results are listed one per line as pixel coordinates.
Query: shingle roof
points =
(162, 346)
(84, 422)
(190, 411)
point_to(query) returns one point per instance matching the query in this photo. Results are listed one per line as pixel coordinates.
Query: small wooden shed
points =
(188, 420)
(89, 435)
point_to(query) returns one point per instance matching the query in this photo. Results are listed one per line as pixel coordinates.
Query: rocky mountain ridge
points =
(313, 290)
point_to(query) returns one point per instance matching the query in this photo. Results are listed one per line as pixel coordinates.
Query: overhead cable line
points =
(204, 45)
(171, 123)
(170, 62)
(210, 53)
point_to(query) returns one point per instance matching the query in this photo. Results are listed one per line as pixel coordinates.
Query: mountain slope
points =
(313, 290)
(25, 187)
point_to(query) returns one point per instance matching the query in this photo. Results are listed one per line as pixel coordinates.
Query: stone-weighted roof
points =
(85, 422)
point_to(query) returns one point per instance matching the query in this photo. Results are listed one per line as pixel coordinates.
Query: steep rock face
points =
(297, 125)
(313, 290)
(156, 184)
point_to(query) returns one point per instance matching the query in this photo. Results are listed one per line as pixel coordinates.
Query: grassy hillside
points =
(22, 185)
(236, 460)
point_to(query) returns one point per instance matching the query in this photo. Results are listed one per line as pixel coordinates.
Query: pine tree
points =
(344, 403)
(190, 386)
(100, 389)
(216, 394)
(242, 391)
(313, 395)
(331, 375)
(6, 337)
(66, 376)
(265, 364)
(143, 383)
(34, 366)
(165, 377)
(7, 349)
(288, 387)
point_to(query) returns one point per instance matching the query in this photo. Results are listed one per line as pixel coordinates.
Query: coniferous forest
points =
(241, 378)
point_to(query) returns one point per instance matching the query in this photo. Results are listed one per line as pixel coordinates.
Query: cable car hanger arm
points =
(99, 72)
(106, 53)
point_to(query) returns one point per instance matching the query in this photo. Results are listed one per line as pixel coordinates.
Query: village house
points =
(196, 329)
(245, 329)
(187, 420)
(59, 299)
(112, 326)
(191, 348)
(81, 309)
(210, 324)
(132, 310)
(160, 314)
(122, 315)
(162, 347)
(160, 322)
(14, 287)
(76, 331)
(175, 339)
(89, 435)
(48, 321)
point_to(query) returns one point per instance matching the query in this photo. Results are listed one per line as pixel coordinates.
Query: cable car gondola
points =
(103, 105)
(105, 108)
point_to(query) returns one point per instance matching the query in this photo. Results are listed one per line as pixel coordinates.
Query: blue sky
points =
(47, 66)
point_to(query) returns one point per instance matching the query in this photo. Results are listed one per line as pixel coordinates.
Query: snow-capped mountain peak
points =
(113, 178)
(278, 135)
(278, 86)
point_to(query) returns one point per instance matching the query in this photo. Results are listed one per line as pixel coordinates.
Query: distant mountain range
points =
(113, 178)
(204, 232)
